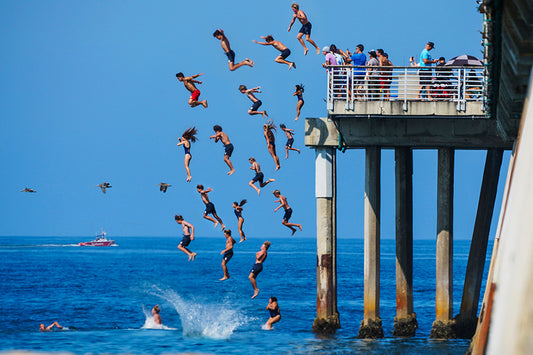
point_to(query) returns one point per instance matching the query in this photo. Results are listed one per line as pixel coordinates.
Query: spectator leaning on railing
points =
(358, 59)
(425, 69)
(386, 73)
(372, 75)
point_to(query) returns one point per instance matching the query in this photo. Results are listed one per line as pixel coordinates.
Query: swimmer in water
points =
(275, 315)
(155, 312)
(43, 328)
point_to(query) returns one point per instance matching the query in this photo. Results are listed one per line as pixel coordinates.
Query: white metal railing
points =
(373, 83)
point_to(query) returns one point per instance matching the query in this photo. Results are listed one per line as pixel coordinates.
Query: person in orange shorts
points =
(189, 85)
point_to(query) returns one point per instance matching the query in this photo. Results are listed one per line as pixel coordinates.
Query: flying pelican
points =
(104, 186)
(163, 186)
(27, 189)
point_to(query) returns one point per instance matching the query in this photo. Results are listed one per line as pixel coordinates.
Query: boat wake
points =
(213, 321)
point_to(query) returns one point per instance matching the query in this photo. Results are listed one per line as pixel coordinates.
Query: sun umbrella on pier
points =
(464, 60)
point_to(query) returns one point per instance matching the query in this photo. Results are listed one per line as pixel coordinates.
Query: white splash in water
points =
(149, 323)
(216, 321)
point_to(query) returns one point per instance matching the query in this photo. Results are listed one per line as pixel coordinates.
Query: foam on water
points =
(216, 321)
(149, 323)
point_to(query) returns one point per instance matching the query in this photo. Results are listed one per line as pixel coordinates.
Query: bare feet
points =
(192, 256)
(216, 224)
(298, 150)
(297, 117)
(300, 226)
(231, 171)
(277, 167)
(287, 157)
(258, 192)
(306, 50)
(256, 292)
(222, 227)
(250, 62)
(293, 231)
(189, 178)
(317, 50)
(294, 65)
(224, 278)
(204, 103)
(291, 65)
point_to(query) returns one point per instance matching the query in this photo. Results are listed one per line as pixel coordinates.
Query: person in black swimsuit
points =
(271, 141)
(275, 315)
(186, 138)
(240, 220)
(260, 257)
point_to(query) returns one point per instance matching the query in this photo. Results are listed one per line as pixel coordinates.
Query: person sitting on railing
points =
(474, 85)
(386, 73)
(372, 75)
(358, 59)
(425, 69)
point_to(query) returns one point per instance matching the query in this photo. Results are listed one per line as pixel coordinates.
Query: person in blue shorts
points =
(290, 140)
(256, 102)
(209, 206)
(288, 212)
(285, 52)
(228, 147)
(305, 30)
(188, 236)
(227, 253)
(224, 42)
(260, 258)
(258, 176)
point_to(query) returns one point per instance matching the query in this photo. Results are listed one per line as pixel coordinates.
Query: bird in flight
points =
(163, 186)
(104, 186)
(27, 189)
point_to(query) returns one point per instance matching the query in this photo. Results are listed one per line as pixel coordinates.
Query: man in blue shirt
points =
(425, 69)
(358, 58)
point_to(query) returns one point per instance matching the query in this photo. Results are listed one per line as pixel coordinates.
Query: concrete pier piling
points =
(327, 320)
(466, 320)
(443, 326)
(405, 323)
(371, 324)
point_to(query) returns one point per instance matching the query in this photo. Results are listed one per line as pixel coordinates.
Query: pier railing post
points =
(443, 326)
(327, 320)
(405, 323)
(466, 320)
(371, 325)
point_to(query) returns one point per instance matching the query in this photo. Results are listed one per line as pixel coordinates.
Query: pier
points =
(460, 113)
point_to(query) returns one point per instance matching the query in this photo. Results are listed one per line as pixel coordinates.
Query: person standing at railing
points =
(425, 69)
(386, 73)
(358, 59)
(444, 77)
(474, 85)
(330, 60)
(372, 75)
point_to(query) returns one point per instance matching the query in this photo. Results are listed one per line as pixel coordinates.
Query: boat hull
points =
(97, 244)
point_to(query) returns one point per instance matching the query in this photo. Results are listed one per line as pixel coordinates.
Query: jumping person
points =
(285, 52)
(305, 30)
(299, 93)
(240, 220)
(189, 85)
(228, 147)
(275, 315)
(260, 258)
(188, 236)
(227, 253)
(288, 212)
(209, 207)
(256, 102)
(258, 176)
(290, 140)
(224, 42)
(271, 142)
(186, 138)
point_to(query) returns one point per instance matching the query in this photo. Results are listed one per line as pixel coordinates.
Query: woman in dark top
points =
(275, 315)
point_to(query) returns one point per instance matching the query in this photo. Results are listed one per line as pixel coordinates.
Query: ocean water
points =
(103, 296)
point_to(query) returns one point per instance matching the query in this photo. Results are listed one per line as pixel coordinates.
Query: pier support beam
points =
(371, 324)
(405, 323)
(443, 326)
(466, 320)
(327, 320)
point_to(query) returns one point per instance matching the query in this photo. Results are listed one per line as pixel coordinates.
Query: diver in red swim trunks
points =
(189, 85)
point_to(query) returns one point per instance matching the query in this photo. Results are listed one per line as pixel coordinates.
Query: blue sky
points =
(89, 94)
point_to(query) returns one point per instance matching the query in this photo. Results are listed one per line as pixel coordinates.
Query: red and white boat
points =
(99, 241)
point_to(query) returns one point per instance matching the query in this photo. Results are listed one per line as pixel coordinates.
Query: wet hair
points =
(333, 48)
(386, 55)
(217, 128)
(295, 6)
(180, 75)
(217, 33)
(178, 217)
(242, 87)
(269, 38)
(157, 309)
(251, 158)
(276, 192)
(300, 87)
(379, 51)
(267, 244)
(190, 134)
(227, 231)
(200, 186)
(242, 202)
(361, 47)
(269, 127)
(273, 299)
(282, 126)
